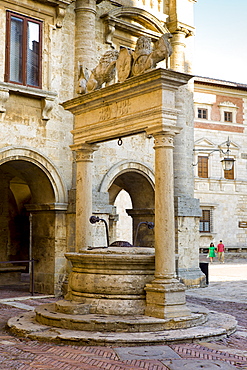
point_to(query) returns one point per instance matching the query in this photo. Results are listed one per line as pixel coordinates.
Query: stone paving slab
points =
(198, 364)
(234, 291)
(145, 352)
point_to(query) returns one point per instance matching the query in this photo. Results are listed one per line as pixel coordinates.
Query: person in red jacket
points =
(221, 251)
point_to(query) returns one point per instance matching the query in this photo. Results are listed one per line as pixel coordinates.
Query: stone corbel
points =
(60, 14)
(4, 95)
(110, 29)
(179, 27)
(47, 105)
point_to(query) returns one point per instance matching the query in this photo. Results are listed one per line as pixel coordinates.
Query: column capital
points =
(84, 152)
(163, 136)
(163, 140)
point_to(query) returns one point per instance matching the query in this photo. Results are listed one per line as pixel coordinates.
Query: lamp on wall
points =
(227, 163)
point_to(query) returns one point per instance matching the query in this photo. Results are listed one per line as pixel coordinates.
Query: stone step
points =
(47, 315)
(217, 326)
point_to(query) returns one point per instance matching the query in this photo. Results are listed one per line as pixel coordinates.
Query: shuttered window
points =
(23, 50)
(203, 166)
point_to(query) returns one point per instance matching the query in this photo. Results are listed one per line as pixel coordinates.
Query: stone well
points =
(125, 295)
(108, 286)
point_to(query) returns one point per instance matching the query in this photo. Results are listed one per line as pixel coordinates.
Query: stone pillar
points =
(165, 295)
(85, 33)
(178, 51)
(5, 241)
(84, 161)
(187, 208)
(145, 236)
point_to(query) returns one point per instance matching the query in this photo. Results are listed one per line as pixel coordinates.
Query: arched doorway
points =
(141, 191)
(32, 221)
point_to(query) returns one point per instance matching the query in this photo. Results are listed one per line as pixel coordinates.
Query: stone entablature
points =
(125, 108)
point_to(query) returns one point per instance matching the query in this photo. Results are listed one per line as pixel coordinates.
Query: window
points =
(23, 50)
(205, 224)
(229, 174)
(203, 166)
(202, 113)
(228, 116)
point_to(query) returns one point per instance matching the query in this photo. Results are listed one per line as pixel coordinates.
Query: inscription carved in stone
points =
(117, 109)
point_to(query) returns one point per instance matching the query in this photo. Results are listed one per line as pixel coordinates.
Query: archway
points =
(31, 215)
(124, 222)
(141, 192)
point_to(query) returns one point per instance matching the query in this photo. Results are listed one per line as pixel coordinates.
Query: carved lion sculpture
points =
(104, 72)
(162, 50)
(126, 62)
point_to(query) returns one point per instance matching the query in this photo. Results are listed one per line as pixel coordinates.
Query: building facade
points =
(48, 45)
(220, 125)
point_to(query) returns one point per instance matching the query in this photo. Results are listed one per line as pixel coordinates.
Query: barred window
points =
(23, 50)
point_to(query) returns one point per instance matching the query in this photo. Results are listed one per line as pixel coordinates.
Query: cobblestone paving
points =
(23, 354)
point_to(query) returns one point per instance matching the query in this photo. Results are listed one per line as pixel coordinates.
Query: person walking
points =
(221, 251)
(211, 252)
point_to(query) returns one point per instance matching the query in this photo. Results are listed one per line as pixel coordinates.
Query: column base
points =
(166, 300)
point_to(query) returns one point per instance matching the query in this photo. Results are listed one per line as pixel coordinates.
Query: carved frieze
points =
(115, 110)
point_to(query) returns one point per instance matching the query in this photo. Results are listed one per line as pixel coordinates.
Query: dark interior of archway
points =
(22, 183)
(141, 193)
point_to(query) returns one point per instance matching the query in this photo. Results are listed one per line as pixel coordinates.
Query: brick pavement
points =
(23, 354)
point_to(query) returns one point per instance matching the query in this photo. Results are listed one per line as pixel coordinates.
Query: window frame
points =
(229, 174)
(206, 220)
(228, 116)
(203, 162)
(203, 112)
(25, 20)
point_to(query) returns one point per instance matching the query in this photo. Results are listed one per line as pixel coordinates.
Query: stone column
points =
(165, 295)
(5, 241)
(178, 53)
(85, 53)
(187, 208)
(84, 161)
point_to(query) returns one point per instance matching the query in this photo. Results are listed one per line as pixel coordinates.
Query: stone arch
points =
(42, 162)
(137, 22)
(137, 180)
(141, 16)
(126, 166)
(33, 204)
